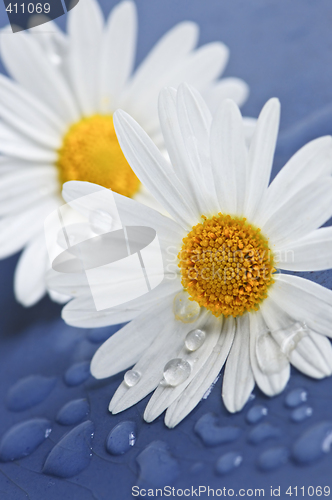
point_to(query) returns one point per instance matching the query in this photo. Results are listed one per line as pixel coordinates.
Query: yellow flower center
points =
(90, 152)
(226, 265)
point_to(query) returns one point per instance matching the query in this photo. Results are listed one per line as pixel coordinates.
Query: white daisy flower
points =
(56, 117)
(225, 303)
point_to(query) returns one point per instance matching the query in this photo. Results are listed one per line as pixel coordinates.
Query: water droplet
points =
(313, 443)
(101, 222)
(269, 356)
(73, 452)
(73, 412)
(131, 377)
(228, 462)
(23, 438)
(121, 438)
(176, 371)
(301, 413)
(157, 466)
(262, 432)
(195, 339)
(289, 338)
(77, 373)
(29, 392)
(185, 310)
(273, 458)
(212, 434)
(256, 413)
(296, 397)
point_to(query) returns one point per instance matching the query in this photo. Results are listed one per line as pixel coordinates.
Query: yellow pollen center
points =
(226, 265)
(91, 152)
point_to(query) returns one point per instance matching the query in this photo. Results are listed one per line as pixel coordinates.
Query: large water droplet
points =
(101, 222)
(269, 356)
(212, 434)
(296, 397)
(256, 413)
(121, 438)
(262, 432)
(157, 466)
(228, 462)
(273, 458)
(289, 338)
(195, 339)
(77, 373)
(29, 392)
(23, 438)
(185, 310)
(176, 371)
(313, 443)
(73, 412)
(131, 377)
(301, 413)
(73, 452)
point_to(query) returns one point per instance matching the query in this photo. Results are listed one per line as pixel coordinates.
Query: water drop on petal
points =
(185, 310)
(194, 339)
(289, 338)
(176, 371)
(131, 377)
(101, 222)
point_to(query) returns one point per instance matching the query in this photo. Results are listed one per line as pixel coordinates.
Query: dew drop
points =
(289, 338)
(296, 398)
(157, 467)
(301, 413)
(269, 356)
(131, 377)
(256, 413)
(212, 434)
(22, 439)
(101, 222)
(73, 452)
(228, 462)
(313, 443)
(195, 339)
(262, 432)
(185, 310)
(29, 392)
(73, 412)
(77, 373)
(176, 371)
(273, 458)
(121, 438)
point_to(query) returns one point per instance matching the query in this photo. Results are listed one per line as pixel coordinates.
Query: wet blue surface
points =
(281, 48)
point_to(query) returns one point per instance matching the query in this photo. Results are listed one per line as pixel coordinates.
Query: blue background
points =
(280, 48)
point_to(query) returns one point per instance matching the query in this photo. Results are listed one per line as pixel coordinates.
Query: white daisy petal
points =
(118, 54)
(17, 230)
(269, 364)
(238, 379)
(37, 74)
(194, 119)
(85, 31)
(71, 284)
(193, 394)
(310, 163)
(261, 154)
(228, 88)
(229, 157)
(311, 253)
(300, 215)
(117, 353)
(304, 301)
(13, 144)
(152, 169)
(150, 366)
(29, 279)
(24, 187)
(165, 395)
